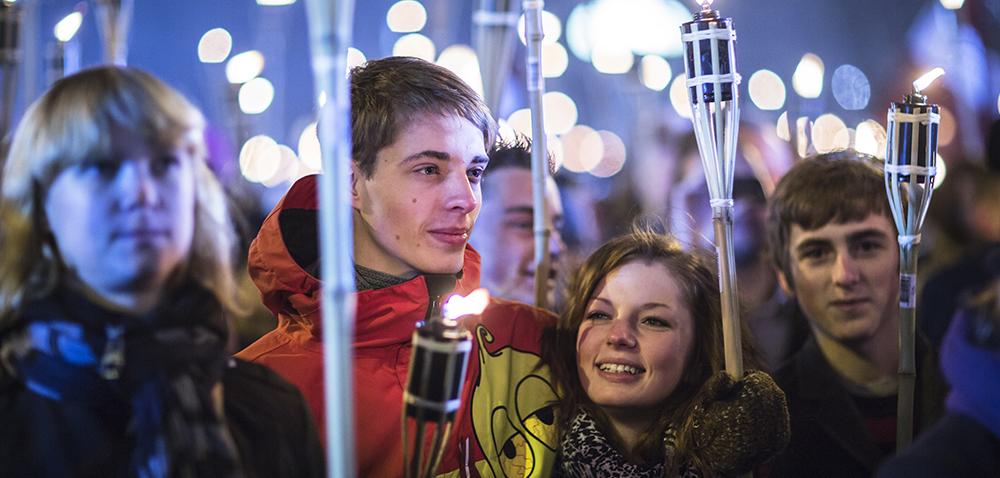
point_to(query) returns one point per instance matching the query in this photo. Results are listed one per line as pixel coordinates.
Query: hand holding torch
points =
(433, 394)
(712, 81)
(910, 167)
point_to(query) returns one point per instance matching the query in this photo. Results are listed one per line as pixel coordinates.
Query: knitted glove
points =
(740, 424)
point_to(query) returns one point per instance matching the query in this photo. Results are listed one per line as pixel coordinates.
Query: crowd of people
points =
(118, 302)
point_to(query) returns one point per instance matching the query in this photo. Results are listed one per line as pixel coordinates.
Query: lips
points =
(848, 303)
(452, 236)
(619, 367)
(139, 233)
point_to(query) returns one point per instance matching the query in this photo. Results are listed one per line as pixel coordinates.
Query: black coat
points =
(956, 446)
(829, 437)
(271, 427)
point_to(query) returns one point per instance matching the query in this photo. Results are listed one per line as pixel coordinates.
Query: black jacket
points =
(829, 437)
(272, 430)
(956, 446)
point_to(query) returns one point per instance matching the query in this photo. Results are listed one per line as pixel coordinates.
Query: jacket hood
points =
(284, 258)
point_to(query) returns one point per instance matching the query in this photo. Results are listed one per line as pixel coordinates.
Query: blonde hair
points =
(70, 124)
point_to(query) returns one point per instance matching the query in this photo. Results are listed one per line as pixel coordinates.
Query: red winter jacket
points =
(505, 426)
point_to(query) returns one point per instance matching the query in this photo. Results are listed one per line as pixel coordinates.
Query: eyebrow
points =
(867, 234)
(646, 306)
(442, 156)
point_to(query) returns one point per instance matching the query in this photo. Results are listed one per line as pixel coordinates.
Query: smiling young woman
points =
(637, 355)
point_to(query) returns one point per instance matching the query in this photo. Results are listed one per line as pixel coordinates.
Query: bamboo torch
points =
(493, 37)
(330, 23)
(539, 150)
(114, 18)
(712, 82)
(10, 56)
(910, 168)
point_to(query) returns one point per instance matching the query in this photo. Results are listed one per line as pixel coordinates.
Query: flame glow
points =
(473, 304)
(924, 81)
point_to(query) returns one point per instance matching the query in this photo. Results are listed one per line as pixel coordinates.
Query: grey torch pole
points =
(114, 18)
(712, 88)
(330, 24)
(539, 150)
(910, 169)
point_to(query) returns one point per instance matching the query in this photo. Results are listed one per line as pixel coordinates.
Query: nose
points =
(462, 194)
(845, 271)
(136, 184)
(620, 334)
(556, 244)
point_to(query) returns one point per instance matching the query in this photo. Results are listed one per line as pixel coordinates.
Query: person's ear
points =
(785, 283)
(355, 177)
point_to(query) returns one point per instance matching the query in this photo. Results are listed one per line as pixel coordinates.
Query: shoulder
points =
(513, 323)
(248, 377)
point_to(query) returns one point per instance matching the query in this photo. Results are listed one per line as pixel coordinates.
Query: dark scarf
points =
(585, 452)
(157, 372)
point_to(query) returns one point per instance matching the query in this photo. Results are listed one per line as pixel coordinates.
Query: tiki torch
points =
(910, 167)
(433, 394)
(10, 56)
(493, 26)
(330, 23)
(712, 81)
(539, 150)
(113, 20)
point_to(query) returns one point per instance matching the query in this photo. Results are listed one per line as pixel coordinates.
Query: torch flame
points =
(927, 78)
(473, 304)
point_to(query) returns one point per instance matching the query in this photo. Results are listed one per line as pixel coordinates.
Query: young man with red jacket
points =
(420, 137)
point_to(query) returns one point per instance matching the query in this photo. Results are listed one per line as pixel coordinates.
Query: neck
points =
(870, 365)
(629, 425)
(135, 303)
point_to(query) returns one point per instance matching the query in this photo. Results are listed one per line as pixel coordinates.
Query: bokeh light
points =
(520, 121)
(612, 60)
(551, 28)
(828, 134)
(582, 149)
(309, 149)
(679, 96)
(952, 4)
(946, 128)
(554, 60)
(635, 25)
(555, 147)
(851, 88)
(415, 45)
(504, 131)
(560, 112)
(215, 46)
(406, 16)
(355, 58)
(941, 166)
(256, 95)
(781, 127)
(767, 91)
(869, 138)
(462, 60)
(288, 167)
(807, 80)
(655, 72)
(613, 158)
(244, 67)
(260, 158)
(274, 3)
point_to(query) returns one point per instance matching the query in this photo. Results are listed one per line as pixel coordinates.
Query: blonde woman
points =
(115, 285)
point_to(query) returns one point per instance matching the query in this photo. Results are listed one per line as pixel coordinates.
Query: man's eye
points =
(428, 170)
(813, 254)
(475, 174)
(868, 247)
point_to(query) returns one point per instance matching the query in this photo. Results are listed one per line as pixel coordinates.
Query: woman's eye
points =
(161, 164)
(598, 315)
(104, 168)
(656, 322)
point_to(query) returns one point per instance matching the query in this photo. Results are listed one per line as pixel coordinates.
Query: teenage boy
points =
(834, 245)
(420, 137)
